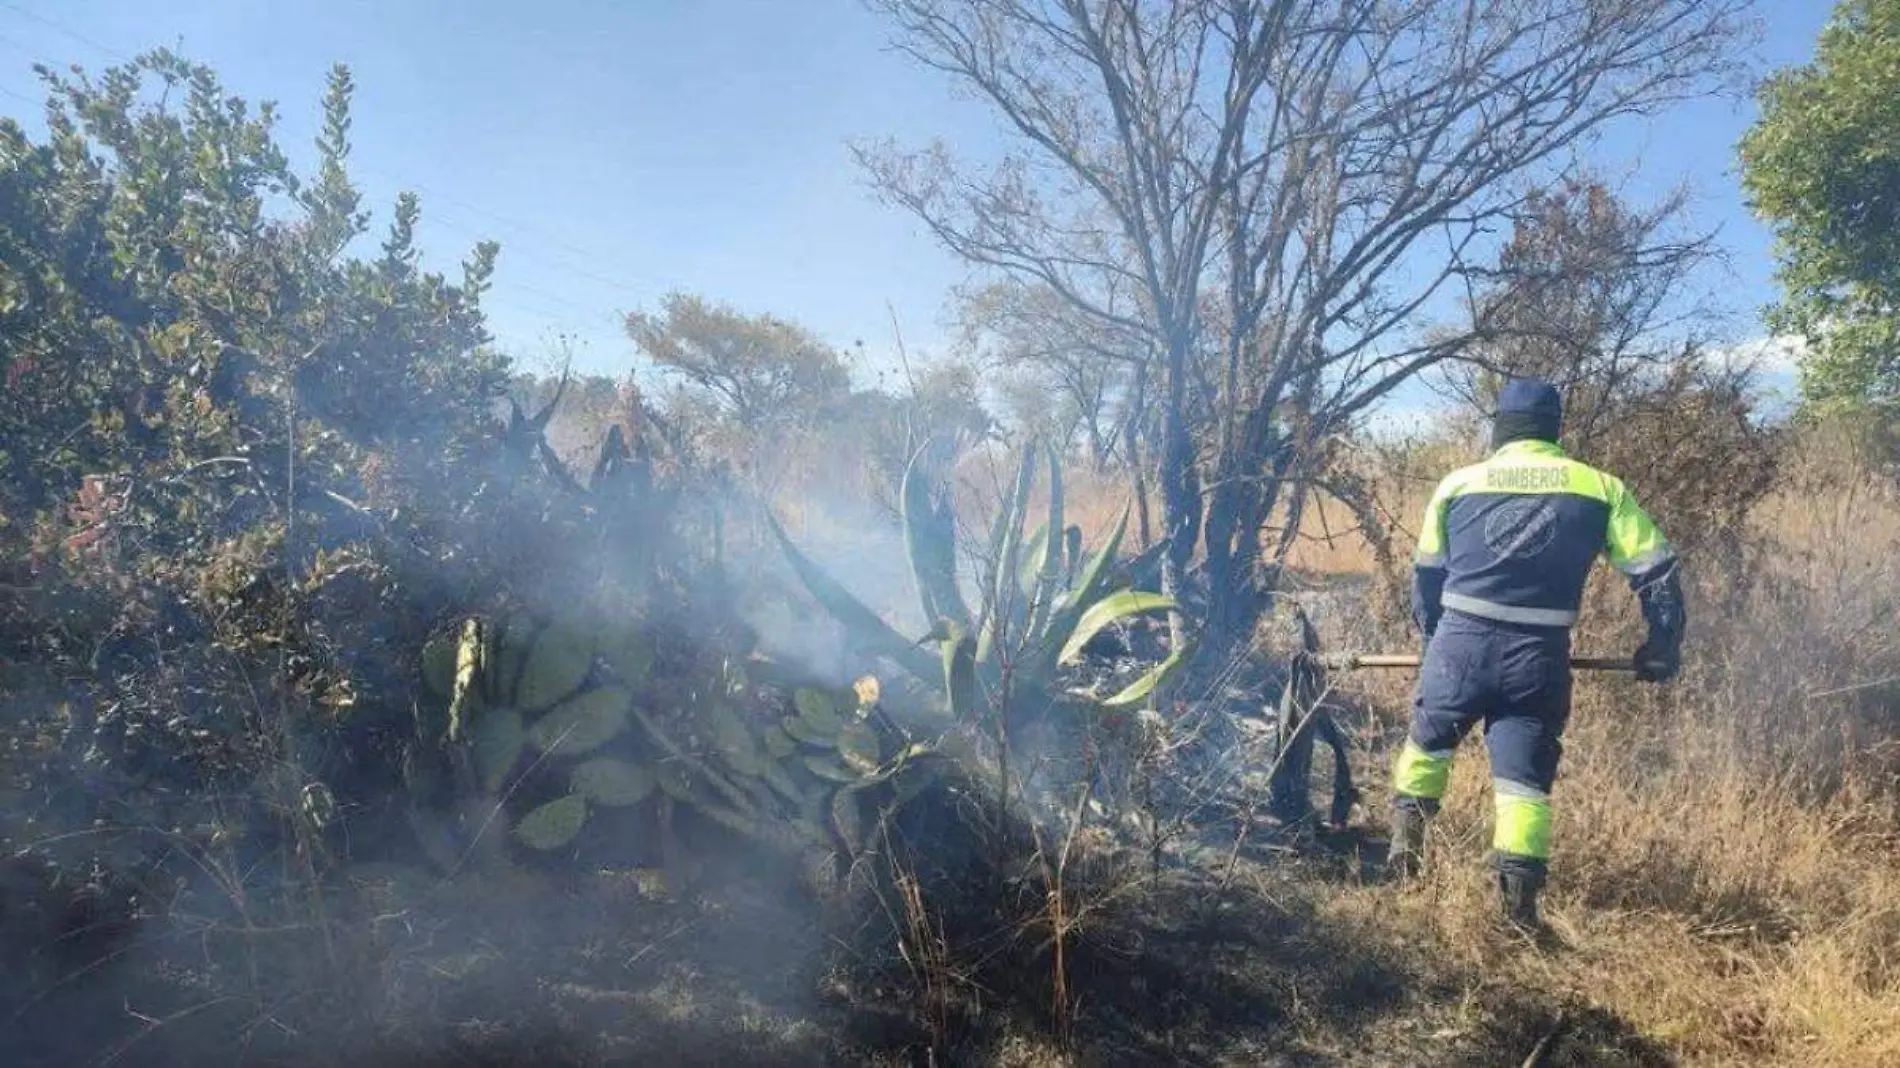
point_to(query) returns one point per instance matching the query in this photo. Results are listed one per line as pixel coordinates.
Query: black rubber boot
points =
(1519, 893)
(1520, 879)
(1405, 856)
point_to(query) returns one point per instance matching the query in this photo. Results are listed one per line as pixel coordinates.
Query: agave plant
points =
(1041, 602)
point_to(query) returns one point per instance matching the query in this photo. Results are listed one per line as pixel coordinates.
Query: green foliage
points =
(223, 432)
(259, 522)
(1041, 602)
(554, 824)
(761, 370)
(1822, 164)
(795, 776)
(607, 781)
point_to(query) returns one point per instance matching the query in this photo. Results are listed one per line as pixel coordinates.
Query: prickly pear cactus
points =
(799, 766)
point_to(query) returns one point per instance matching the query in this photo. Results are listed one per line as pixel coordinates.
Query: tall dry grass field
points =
(1727, 869)
(1727, 864)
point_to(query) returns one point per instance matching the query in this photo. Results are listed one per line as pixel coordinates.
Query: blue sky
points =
(619, 150)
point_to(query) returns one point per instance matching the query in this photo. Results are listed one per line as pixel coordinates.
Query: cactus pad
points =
(497, 742)
(554, 824)
(614, 782)
(583, 723)
(557, 664)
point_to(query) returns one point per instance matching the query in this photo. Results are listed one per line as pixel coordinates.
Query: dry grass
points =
(1727, 867)
(1728, 853)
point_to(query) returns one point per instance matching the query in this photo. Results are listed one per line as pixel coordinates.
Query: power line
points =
(65, 30)
(510, 302)
(506, 221)
(525, 228)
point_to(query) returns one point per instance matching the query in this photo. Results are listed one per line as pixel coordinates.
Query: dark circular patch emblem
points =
(1521, 528)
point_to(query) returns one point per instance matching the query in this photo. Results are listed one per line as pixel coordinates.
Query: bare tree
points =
(1593, 295)
(1093, 369)
(1290, 189)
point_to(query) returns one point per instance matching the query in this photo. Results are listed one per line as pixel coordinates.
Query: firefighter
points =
(1497, 580)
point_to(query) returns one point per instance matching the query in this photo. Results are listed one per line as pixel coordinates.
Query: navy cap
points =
(1531, 396)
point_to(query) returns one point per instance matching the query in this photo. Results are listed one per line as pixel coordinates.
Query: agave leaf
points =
(738, 822)
(959, 676)
(1049, 574)
(1139, 563)
(1108, 610)
(782, 783)
(736, 743)
(496, 743)
(612, 448)
(611, 781)
(1093, 584)
(999, 606)
(546, 414)
(1095, 578)
(930, 539)
(556, 467)
(554, 824)
(850, 611)
(1136, 692)
(556, 666)
(583, 723)
(1072, 555)
(1029, 571)
(745, 761)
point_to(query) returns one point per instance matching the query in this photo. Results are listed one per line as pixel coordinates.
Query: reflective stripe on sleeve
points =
(1639, 566)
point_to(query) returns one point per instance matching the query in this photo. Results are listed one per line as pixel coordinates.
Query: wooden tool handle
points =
(1351, 661)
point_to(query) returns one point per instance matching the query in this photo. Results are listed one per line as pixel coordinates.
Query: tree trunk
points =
(1144, 528)
(1137, 463)
(1240, 582)
(1180, 487)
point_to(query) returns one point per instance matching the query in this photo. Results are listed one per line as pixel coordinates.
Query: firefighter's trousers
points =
(1516, 679)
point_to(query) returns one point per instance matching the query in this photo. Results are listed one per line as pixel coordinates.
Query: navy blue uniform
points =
(1502, 557)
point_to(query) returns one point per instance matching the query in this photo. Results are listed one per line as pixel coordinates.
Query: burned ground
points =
(1285, 956)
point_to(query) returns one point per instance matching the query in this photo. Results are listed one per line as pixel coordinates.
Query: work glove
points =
(1657, 661)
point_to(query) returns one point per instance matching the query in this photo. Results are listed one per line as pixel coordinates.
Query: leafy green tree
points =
(228, 450)
(1822, 164)
(759, 369)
